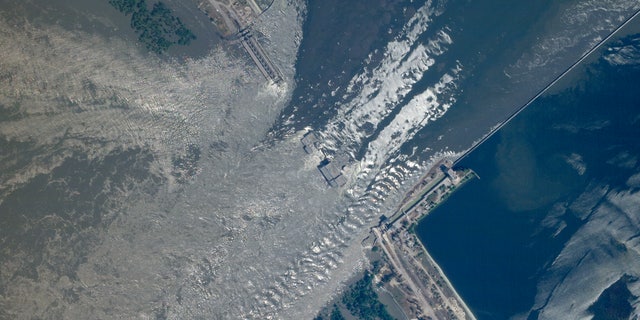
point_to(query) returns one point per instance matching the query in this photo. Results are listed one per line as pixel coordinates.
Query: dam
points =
(234, 20)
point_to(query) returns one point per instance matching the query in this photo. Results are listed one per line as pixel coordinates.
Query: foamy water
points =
(255, 232)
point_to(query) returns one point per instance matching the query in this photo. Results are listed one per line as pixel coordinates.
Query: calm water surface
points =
(491, 238)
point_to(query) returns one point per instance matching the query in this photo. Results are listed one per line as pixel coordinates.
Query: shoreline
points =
(446, 279)
(409, 268)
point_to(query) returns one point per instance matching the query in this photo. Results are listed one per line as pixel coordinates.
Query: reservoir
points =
(501, 239)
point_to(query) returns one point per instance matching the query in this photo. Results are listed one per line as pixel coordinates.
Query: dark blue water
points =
(338, 38)
(489, 237)
(487, 36)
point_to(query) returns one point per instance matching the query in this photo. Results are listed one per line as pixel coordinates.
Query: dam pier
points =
(233, 19)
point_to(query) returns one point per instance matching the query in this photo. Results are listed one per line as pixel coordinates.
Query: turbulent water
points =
(134, 186)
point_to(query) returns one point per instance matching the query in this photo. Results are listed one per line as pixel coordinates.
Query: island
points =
(157, 28)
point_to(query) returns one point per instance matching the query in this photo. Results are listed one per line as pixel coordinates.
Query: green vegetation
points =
(10, 112)
(158, 29)
(335, 314)
(362, 301)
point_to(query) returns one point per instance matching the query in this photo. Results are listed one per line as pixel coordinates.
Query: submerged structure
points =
(332, 172)
(331, 168)
(310, 142)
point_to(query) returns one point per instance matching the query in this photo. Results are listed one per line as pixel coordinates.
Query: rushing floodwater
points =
(523, 238)
(175, 187)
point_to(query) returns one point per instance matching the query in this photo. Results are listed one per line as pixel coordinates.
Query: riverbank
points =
(407, 267)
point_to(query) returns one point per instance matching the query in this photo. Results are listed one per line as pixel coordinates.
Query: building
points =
(310, 142)
(332, 172)
(450, 173)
